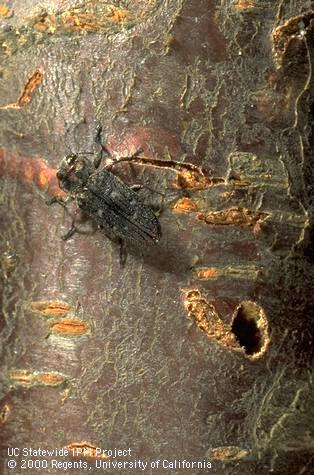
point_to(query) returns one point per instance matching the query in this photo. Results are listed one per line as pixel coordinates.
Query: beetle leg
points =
(99, 158)
(98, 134)
(103, 148)
(75, 229)
(59, 200)
(54, 200)
(137, 152)
(70, 233)
(97, 161)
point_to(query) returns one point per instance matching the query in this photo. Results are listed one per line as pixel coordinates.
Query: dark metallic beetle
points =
(111, 203)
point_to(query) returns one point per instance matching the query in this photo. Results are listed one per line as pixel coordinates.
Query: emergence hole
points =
(250, 328)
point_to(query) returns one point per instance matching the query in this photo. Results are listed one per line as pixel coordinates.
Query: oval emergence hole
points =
(250, 328)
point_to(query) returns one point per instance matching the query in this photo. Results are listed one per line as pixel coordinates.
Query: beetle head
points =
(74, 172)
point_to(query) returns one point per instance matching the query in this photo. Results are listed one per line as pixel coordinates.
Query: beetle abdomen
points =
(115, 206)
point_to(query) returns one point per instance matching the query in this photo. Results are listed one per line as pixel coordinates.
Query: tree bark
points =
(199, 348)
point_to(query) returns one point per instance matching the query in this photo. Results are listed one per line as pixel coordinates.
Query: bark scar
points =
(28, 91)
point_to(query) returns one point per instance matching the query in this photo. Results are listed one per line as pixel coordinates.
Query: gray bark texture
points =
(198, 349)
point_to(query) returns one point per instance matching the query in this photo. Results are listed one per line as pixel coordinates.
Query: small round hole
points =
(250, 328)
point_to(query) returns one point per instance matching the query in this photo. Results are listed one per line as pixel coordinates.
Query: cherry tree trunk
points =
(195, 355)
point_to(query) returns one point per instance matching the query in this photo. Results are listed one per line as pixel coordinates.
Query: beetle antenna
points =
(67, 148)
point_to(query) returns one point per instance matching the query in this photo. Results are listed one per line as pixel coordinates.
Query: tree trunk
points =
(197, 352)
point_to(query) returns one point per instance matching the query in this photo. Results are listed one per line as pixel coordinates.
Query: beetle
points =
(105, 198)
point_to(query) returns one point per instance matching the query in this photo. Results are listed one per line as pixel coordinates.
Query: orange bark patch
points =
(50, 379)
(234, 216)
(67, 21)
(4, 11)
(70, 327)
(50, 308)
(30, 87)
(43, 174)
(80, 22)
(43, 179)
(46, 23)
(4, 413)
(91, 17)
(247, 272)
(192, 180)
(195, 179)
(244, 4)
(206, 273)
(227, 453)
(86, 450)
(28, 91)
(118, 15)
(185, 205)
(207, 319)
(23, 377)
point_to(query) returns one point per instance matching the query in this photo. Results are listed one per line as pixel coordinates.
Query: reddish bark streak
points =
(30, 170)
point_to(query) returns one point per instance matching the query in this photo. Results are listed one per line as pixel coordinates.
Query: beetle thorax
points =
(74, 172)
